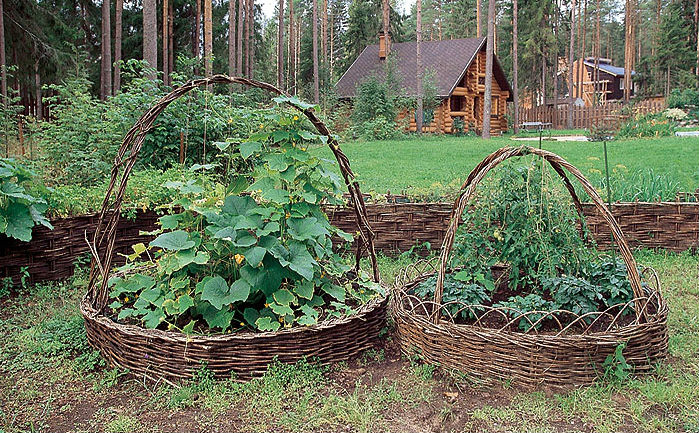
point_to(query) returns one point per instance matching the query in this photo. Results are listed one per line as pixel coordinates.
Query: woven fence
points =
(51, 254)
(398, 227)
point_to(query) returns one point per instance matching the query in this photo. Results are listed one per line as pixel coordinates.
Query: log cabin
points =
(609, 82)
(459, 74)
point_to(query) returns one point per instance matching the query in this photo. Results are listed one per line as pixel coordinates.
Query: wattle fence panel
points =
(398, 227)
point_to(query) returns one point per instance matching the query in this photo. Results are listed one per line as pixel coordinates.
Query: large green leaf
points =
(284, 297)
(304, 289)
(173, 241)
(300, 260)
(247, 148)
(277, 162)
(267, 324)
(238, 205)
(337, 292)
(255, 255)
(19, 222)
(240, 290)
(214, 317)
(217, 292)
(306, 228)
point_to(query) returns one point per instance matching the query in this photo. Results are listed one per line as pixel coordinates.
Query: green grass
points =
(439, 165)
(51, 381)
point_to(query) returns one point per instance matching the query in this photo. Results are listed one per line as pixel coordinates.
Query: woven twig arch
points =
(102, 245)
(560, 166)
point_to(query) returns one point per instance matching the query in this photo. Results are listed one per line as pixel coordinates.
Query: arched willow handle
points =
(102, 245)
(560, 165)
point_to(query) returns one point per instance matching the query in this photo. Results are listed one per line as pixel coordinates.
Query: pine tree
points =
(106, 63)
(231, 38)
(488, 96)
(314, 24)
(280, 45)
(166, 42)
(150, 37)
(515, 64)
(208, 38)
(117, 45)
(3, 64)
(571, 58)
(418, 78)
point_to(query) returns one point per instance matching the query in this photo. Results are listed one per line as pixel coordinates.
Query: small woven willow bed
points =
(573, 353)
(173, 356)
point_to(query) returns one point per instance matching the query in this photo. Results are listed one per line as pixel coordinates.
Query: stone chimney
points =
(384, 45)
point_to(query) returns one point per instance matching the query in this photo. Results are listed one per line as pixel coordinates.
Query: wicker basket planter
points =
(571, 354)
(172, 356)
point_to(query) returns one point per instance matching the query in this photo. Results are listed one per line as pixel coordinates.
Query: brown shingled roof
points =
(448, 58)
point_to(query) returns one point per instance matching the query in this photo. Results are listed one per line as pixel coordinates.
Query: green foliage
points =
(523, 220)
(683, 98)
(78, 146)
(460, 287)
(641, 185)
(574, 294)
(648, 125)
(616, 368)
(146, 189)
(378, 128)
(261, 260)
(19, 210)
(377, 103)
(532, 305)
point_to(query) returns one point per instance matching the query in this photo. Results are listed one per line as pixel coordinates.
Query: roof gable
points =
(609, 68)
(449, 60)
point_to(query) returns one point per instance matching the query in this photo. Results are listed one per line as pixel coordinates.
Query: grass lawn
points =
(442, 163)
(52, 381)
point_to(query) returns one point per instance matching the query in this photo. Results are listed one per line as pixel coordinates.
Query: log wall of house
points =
(466, 102)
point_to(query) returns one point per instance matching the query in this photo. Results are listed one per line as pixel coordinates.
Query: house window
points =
(494, 107)
(621, 83)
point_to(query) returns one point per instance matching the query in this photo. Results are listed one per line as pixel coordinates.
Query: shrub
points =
(683, 98)
(19, 210)
(675, 114)
(649, 125)
(379, 128)
(78, 146)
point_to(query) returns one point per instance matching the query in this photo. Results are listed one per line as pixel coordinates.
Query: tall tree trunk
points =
(37, 91)
(208, 39)
(239, 48)
(280, 46)
(418, 69)
(332, 44)
(515, 65)
(696, 24)
(252, 39)
(386, 24)
(166, 43)
(150, 36)
(3, 64)
(106, 64)
(571, 59)
(171, 41)
(488, 96)
(231, 38)
(196, 43)
(478, 18)
(439, 19)
(292, 49)
(629, 45)
(555, 66)
(248, 20)
(316, 82)
(595, 72)
(117, 45)
(324, 37)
